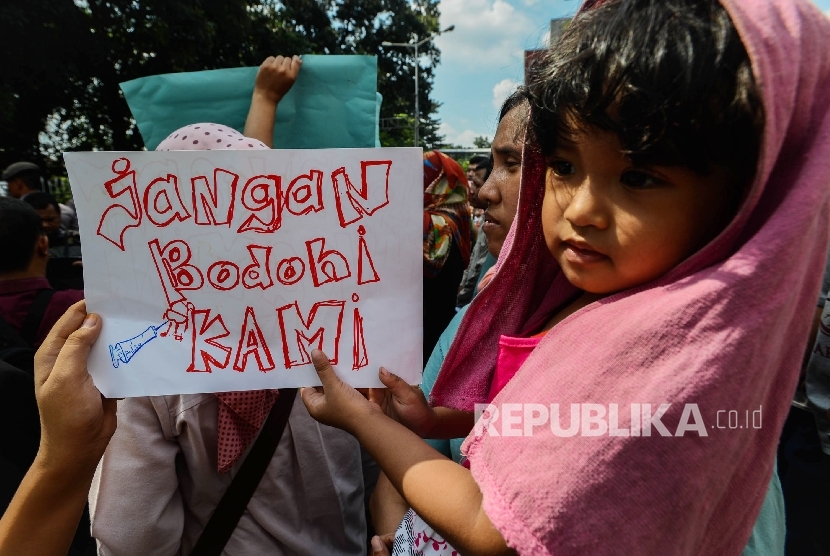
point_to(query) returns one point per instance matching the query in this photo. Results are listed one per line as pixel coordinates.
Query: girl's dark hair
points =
(670, 77)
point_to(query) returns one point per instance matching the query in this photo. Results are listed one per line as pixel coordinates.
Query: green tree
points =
(363, 25)
(482, 142)
(63, 61)
(39, 66)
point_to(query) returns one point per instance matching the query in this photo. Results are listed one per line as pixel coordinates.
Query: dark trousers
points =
(804, 471)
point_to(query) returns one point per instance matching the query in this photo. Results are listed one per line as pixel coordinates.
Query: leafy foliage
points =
(482, 142)
(63, 61)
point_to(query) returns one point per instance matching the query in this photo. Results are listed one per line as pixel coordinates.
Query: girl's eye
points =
(562, 168)
(639, 180)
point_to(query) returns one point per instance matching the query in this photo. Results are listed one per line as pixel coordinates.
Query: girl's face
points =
(501, 190)
(612, 225)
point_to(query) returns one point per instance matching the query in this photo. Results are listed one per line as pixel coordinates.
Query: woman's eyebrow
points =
(507, 150)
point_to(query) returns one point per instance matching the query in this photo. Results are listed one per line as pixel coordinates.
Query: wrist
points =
(63, 475)
(67, 465)
(430, 425)
(363, 420)
(264, 95)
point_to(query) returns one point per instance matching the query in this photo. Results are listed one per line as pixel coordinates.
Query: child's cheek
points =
(551, 216)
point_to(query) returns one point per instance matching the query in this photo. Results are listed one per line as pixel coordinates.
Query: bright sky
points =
(482, 60)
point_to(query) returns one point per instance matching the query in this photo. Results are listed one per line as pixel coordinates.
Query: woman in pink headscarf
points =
(658, 279)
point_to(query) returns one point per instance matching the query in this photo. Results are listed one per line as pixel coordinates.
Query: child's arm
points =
(77, 423)
(440, 491)
(274, 79)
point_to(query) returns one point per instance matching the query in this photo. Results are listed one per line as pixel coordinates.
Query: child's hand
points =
(335, 403)
(77, 422)
(404, 403)
(276, 76)
(382, 544)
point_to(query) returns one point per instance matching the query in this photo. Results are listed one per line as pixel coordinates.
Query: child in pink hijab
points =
(658, 279)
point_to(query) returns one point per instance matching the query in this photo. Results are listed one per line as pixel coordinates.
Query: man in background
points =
(23, 178)
(478, 170)
(24, 255)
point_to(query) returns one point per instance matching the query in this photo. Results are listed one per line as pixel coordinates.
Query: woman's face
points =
(501, 190)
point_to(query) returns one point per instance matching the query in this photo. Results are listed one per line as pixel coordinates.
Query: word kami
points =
(299, 335)
(257, 205)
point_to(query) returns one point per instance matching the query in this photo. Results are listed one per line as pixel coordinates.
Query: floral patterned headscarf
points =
(446, 211)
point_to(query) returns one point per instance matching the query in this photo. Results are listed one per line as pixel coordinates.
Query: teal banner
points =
(333, 104)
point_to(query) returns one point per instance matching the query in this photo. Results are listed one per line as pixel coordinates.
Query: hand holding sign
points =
(335, 403)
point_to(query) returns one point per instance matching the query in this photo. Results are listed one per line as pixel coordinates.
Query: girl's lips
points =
(581, 255)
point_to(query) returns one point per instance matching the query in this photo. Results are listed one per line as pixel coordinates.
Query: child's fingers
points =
(294, 67)
(324, 369)
(379, 547)
(392, 381)
(51, 346)
(309, 396)
(377, 395)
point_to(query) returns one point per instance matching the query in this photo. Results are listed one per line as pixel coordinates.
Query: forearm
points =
(260, 121)
(386, 507)
(442, 492)
(44, 513)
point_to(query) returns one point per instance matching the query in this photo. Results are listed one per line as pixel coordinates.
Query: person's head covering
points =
(208, 136)
(446, 212)
(241, 414)
(14, 170)
(725, 330)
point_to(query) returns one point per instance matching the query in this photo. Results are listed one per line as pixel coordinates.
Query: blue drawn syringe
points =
(124, 351)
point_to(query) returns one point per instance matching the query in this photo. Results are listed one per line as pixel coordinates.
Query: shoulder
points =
(66, 298)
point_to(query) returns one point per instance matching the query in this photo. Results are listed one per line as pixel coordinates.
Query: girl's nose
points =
(586, 206)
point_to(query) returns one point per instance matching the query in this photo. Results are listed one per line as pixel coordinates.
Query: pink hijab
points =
(725, 330)
(241, 414)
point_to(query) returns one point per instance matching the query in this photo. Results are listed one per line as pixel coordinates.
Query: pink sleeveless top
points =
(513, 352)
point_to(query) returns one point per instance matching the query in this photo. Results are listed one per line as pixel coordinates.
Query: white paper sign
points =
(219, 271)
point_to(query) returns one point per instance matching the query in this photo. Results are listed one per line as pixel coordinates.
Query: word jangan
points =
(257, 205)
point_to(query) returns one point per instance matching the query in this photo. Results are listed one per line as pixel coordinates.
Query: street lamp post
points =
(415, 45)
